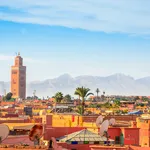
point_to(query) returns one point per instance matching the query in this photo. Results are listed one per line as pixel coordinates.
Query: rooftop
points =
(82, 136)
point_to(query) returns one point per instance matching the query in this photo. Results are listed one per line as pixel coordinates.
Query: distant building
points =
(18, 78)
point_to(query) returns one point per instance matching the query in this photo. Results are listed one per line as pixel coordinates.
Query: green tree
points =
(124, 99)
(79, 110)
(97, 92)
(142, 105)
(107, 105)
(136, 98)
(118, 111)
(145, 99)
(58, 97)
(103, 96)
(29, 98)
(117, 102)
(83, 93)
(8, 96)
(92, 105)
(125, 111)
(67, 98)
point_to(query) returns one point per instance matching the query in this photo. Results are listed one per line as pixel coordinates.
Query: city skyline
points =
(54, 38)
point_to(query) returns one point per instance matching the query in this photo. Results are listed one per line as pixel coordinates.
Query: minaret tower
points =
(18, 78)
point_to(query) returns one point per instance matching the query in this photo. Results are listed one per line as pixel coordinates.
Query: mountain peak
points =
(65, 75)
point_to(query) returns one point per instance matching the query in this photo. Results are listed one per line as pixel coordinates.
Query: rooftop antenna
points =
(4, 131)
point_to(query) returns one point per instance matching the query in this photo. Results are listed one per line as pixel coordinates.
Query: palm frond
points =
(89, 94)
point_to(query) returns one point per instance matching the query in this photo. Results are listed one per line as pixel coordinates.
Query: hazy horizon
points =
(117, 84)
(82, 76)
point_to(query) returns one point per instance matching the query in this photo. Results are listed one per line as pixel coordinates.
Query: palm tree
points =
(103, 92)
(97, 91)
(79, 110)
(58, 97)
(103, 95)
(83, 93)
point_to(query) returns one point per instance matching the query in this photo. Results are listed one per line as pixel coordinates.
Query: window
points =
(14, 72)
(22, 72)
(14, 82)
(20, 63)
(22, 78)
(22, 85)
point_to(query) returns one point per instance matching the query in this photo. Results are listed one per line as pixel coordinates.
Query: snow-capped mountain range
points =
(117, 84)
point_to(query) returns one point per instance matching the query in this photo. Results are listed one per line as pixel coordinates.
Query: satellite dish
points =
(104, 127)
(112, 122)
(99, 121)
(4, 131)
(36, 132)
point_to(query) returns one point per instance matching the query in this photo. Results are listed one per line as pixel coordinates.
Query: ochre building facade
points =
(18, 78)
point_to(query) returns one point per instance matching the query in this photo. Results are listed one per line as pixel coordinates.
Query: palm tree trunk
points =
(82, 106)
(79, 100)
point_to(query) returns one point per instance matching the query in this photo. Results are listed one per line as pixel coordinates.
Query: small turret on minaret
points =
(18, 60)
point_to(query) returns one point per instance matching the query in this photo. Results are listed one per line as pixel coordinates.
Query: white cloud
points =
(97, 15)
(5, 57)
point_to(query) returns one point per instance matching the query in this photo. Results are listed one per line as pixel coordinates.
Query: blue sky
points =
(88, 37)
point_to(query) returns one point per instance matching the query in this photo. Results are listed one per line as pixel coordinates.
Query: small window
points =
(22, 72)
(14, 82)
(22, 78)
(14, 72)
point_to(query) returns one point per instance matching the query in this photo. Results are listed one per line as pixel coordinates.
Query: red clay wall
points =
(131, 136)
(117, 117)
